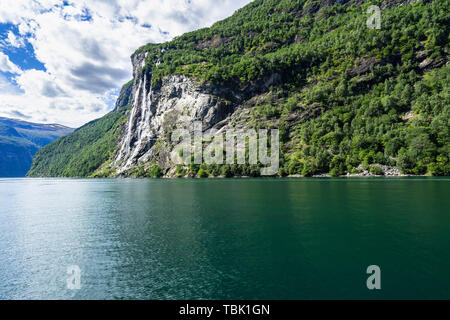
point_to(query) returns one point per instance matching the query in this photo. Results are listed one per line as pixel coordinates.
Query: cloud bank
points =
(85, 48)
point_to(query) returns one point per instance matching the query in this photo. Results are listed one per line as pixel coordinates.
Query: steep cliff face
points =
(156, 110)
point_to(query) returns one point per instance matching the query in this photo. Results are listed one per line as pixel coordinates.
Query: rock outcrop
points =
(156, 110)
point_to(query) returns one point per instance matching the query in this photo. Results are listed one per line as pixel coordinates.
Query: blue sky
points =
(65, 61)
(22, 56)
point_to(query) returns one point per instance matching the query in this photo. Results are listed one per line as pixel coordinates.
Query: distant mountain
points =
(20, 140)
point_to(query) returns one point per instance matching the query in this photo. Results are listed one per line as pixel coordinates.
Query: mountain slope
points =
(79, 154)
(20, 140)
(346, 98)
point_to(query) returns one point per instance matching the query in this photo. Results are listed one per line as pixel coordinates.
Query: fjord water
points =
(225, 239)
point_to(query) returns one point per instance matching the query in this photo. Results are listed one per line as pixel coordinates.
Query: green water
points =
(225, 239)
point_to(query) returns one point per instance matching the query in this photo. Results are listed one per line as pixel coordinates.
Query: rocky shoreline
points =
(383, 170)
(386, 172)
(375, 170)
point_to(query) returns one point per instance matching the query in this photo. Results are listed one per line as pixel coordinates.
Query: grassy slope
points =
(82, 152)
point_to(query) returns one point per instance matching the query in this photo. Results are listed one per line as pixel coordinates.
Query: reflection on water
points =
(224, 239)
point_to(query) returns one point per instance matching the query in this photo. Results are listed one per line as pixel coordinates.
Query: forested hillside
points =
(87, 148)
(346, 98)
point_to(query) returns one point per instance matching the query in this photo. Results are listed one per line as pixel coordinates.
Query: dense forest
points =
(347, 98)
(79, 154)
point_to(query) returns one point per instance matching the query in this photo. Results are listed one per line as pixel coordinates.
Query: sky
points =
(65, 61)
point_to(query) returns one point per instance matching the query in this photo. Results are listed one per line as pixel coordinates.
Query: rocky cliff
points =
(156, 110)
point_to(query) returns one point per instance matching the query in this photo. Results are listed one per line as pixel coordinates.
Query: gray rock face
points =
(124, 97)
(387, 171)
(159, 109)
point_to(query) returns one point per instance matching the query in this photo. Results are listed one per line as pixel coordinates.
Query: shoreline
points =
(292, 177)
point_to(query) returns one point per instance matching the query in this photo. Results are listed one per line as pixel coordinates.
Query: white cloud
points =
(6, 87)
(86, 47)
(14, 41)
(7, 66)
